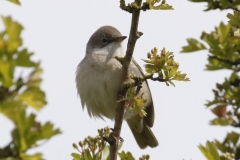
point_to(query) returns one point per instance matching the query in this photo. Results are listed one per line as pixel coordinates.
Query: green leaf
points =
(233, 137)
(210, 151)
(21, 134)
(126, 156)
(180, 77)
(150, 69)
(223, 31)
(87, 155)
(34, 97)
(221, 121)
(11, 107)
(49, 131)
(23, 59)
(15, 2)
(210, 103)
(6, 73)
(193, 45)
(213, 150)
(164, 65)
(76, 156)
(28, 131)
(220, 146)
(234, 19)
(139, 106)
(13, 30)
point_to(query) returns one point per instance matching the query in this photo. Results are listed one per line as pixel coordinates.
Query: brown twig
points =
(133, 36)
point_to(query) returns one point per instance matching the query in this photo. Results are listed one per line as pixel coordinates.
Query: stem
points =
(133, 36)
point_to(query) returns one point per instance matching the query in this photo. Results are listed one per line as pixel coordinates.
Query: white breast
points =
(98, 79)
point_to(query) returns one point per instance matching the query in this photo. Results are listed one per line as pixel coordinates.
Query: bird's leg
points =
(112, 138)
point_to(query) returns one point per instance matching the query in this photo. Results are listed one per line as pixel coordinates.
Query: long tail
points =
(145, 137)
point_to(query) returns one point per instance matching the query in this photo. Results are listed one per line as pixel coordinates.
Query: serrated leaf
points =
(34, 97)
(139, 106)
(164, 65)
(49, 131)
(21, 133)
(193, 45)
(234, 19)
(23, 59)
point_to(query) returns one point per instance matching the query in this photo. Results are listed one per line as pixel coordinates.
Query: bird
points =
(98, 80)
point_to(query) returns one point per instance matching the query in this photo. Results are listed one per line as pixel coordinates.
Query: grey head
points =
(104, 36)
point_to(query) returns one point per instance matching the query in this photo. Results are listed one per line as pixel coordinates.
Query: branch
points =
(133, 36)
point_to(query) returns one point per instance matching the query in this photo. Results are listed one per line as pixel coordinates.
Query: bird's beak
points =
(120, 39)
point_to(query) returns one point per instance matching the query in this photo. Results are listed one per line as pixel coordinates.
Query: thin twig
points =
(133, 36)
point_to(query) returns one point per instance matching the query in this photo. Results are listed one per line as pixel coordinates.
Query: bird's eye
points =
(104, 40)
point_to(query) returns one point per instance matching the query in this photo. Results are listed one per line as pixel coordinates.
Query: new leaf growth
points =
(164, 66)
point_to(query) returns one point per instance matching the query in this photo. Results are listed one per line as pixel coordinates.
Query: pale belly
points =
(98, 87)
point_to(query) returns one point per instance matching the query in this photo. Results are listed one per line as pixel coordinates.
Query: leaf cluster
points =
(93, 148)
(96, 148)
(224, 48)
(220, 4)
(226, 94)
(18, 92)
(224, 53)
(164, 66)
(135, 103)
